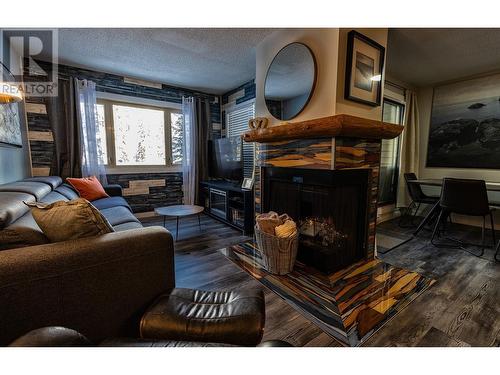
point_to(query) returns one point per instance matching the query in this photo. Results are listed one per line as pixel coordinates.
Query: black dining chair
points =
(417, 196)
(464, 197)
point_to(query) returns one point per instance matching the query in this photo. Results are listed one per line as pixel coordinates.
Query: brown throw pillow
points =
(62, 221)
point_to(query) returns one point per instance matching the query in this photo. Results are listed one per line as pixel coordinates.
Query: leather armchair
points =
(65, 337)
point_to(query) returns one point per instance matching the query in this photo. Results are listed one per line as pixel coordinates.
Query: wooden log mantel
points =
(333, 126)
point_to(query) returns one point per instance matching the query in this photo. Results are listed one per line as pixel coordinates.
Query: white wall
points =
(324, 45)
(329, 47)
(15, 162)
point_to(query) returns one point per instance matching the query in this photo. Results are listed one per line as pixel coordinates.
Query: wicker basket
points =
(278, 253)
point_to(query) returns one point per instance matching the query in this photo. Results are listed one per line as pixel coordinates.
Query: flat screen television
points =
(225, 158)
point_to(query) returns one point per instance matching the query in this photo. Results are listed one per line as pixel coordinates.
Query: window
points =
(237, 124)
(139, 135)
(392, 112)
(176, 136)
(101, 135)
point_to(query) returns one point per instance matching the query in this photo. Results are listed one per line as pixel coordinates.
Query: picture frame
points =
(10, 125)
(465, 124)
(364, 69)
(247, 183)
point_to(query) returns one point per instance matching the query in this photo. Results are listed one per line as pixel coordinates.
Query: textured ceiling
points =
(424, 57)
(210, 60)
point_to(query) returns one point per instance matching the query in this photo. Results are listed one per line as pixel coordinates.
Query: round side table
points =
(178, 211)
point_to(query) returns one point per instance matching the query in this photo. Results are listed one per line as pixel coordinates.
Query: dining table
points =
(490, 186)
(434, 211)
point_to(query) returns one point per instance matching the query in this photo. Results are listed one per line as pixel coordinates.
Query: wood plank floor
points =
(461, 309)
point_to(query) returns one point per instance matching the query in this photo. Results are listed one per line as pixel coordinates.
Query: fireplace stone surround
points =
(333, 143)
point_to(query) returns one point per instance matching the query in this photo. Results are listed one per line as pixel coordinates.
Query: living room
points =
(278, 188)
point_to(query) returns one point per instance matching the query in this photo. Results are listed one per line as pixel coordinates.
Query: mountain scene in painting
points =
(465, 125)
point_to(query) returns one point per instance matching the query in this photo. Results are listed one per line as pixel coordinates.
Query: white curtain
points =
(90, 148)
(189, 150)
(410, 147)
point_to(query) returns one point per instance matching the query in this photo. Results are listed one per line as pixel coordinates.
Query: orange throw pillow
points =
(88, 187)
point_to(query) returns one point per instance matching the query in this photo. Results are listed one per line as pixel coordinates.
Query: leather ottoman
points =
(234, 317)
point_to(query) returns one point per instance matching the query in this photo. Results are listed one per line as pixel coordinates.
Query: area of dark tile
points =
(350, 304)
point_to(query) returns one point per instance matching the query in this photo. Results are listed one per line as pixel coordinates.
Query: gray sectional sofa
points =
(15, 215)
(99, 286)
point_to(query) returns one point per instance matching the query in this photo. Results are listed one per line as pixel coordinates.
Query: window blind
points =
(394, 92)
(236, 125)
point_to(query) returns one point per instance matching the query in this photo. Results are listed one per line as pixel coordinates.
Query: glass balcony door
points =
(393, 112)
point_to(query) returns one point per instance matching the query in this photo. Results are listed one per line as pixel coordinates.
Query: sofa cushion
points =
(52, 197)
(23, 232)
(53, 181)
(12, 206)
(126, 226)
(62, 221)
(118, 215)
(109, 202)
(37, 189)
(88, 187)
(232, 316)
(67, 190)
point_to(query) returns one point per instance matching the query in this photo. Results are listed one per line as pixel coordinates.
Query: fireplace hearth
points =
(330, 208)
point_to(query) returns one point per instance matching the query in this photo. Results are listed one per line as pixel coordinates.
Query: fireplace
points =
(330, 208)
(328, 165)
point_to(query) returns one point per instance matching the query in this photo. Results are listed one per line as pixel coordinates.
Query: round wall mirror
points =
(290, 81)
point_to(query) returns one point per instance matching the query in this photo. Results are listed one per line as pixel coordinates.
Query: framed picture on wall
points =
(10, 125)
(364, 69)
(464, 129)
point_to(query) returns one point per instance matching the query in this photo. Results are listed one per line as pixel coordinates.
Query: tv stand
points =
(227, 202)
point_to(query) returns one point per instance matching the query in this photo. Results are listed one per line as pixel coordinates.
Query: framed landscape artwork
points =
(10, 125)
(364, 67)
(464, 129)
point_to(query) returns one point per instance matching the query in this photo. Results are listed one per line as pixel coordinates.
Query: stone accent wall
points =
(146, 191)
(39, 136)
(238, 95)
(142, 190)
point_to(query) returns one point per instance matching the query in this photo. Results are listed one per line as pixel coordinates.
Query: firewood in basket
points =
(288, 229)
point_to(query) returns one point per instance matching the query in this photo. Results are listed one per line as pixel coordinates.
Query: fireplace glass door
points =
(329, 208)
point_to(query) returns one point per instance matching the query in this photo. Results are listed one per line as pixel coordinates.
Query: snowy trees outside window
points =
(134, 135)
(177, 138)
(139, 135)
